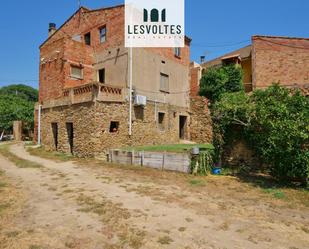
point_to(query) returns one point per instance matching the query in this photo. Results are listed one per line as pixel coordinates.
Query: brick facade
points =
(280, 59)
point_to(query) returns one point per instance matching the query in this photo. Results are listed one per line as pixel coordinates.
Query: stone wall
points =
(92, 121)
(201, 123)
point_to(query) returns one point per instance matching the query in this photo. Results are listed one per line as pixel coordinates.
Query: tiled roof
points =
(243, 53)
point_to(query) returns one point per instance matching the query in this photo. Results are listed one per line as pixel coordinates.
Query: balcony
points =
(88, 93)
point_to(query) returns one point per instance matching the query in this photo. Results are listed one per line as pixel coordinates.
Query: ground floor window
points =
(114, 127)
(139, 112)
(161, 120)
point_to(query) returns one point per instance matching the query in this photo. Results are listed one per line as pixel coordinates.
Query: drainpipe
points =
(39, 124)
(130, 89)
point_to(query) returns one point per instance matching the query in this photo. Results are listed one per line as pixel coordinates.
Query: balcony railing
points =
(88, 93)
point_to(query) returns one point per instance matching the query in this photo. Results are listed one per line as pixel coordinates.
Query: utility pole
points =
(130, 88)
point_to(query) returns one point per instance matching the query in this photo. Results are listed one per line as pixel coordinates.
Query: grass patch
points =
(197, 182)
(19, 162)
(170, 148)
(276, 193)
(52, 155)
(165, 240)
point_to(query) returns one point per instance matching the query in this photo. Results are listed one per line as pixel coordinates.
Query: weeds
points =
(197, 182)
(165, 240)
(53, 155)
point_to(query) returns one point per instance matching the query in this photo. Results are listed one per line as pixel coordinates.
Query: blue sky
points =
(216, 27)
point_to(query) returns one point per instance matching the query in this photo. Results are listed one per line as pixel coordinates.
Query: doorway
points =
(182, 127)
(70, 133)
(55, 134)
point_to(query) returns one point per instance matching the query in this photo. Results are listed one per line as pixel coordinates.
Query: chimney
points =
(52, 29)
(202, 59)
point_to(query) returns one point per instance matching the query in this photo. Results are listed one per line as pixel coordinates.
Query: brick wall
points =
(277, 59)
(55, 66)
(195, 74)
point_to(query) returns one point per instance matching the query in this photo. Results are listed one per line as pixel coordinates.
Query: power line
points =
(219, 46)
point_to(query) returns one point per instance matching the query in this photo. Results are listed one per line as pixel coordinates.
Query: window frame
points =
(75, 76)
(161, 125)
(100, 34)
(177, 52)
(98, 75)
(164, 89)
(86, 35)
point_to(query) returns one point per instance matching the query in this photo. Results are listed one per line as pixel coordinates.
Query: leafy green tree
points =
(279, 131)
(276, 124)
(17, 103)
(25, 92)
(217, 81)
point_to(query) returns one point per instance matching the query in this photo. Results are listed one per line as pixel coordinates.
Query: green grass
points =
(197, 182)
(19, 162)
(170, 148)
(53, 155)
(276, 193)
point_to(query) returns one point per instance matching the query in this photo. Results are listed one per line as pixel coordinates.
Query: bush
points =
(276, 124)
(217, 81)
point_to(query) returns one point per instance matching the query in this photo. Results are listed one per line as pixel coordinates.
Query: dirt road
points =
(88, 206)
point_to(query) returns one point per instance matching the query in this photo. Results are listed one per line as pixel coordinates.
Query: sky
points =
(216, 27)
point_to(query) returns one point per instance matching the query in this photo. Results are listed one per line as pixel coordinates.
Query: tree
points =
(17, 103)
(275, 122)
(217, 81)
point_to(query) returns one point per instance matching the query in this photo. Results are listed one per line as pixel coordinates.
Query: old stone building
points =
(267, 60)
(84, 89)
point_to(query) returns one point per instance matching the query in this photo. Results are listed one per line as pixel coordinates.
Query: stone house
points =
(84, 89)
(268, 59)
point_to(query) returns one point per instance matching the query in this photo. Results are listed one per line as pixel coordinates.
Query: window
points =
(101, 75)
(164, 82)
(177, 52)
(76, 72)
(139, 112)
(161, 117)
(87, 39)
(103, 34)
(114, 127)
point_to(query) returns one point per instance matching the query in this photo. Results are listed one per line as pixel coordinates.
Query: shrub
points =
(276, 124)
(217, 81)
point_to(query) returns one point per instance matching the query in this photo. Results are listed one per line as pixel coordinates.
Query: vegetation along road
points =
(54, 201)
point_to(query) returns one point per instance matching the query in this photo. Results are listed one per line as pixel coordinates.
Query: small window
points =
(103, 34)
(101, 75)
(161, 119)
(76, 72)
(177, 52)
(114, 127)
(164, 82)
(139, 112)
(87, 39)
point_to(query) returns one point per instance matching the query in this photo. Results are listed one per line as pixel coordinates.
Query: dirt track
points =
(76, 205)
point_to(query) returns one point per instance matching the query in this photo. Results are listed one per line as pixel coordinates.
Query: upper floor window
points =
(164, 82)
(101, 75)
(87, 39)
(177, 52)
(76, 72)
(103, 34)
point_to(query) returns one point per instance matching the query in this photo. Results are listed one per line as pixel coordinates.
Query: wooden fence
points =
(159, 160)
